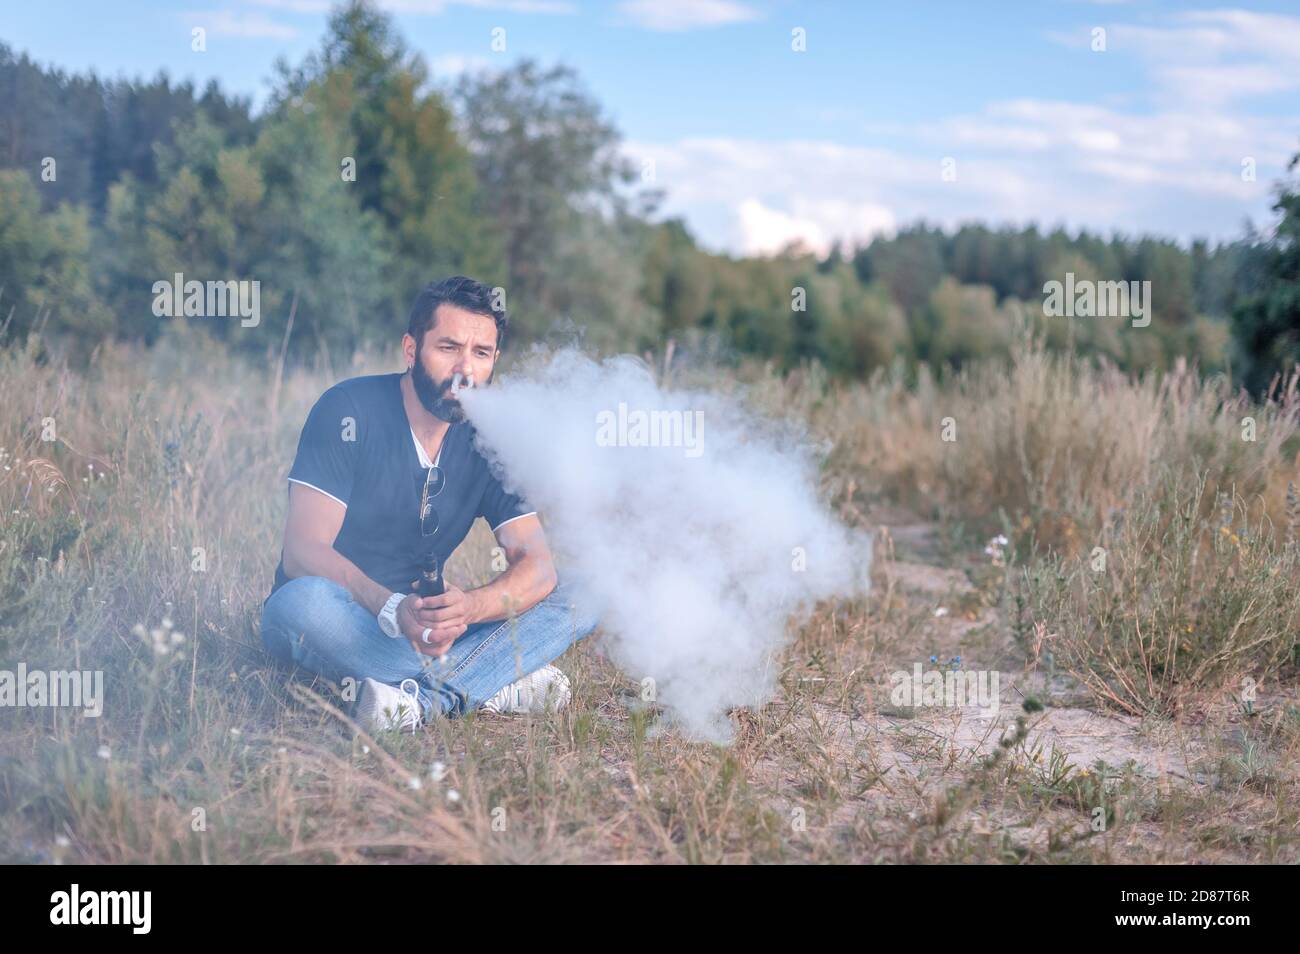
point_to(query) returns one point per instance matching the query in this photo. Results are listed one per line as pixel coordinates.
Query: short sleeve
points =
(328, 447)
(500, 507)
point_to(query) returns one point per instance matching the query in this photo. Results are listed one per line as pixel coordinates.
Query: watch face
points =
(388, 618)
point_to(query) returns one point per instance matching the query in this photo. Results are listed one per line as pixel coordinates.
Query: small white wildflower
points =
(235, 732)
(105, 752)
(941, 611)
(414, 783)
(365, 750)
(437, 771)
(62, 841)
(453, 796)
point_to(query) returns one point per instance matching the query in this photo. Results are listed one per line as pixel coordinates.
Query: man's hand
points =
(446, 617)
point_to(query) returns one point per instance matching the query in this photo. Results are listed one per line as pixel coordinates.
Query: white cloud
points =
(677, 15)
(242, 24)
(454, 64)
(431, 7)
(1173, 168)
(1024, 161)
(750, 196)
(436, 7)
(815, 223)
(1213, 57)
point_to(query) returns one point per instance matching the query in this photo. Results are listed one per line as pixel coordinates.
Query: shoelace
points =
(412, 694)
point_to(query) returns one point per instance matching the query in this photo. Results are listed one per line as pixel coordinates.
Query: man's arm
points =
(310, 529)
(529, 576)
(527, 581)
(309, 532)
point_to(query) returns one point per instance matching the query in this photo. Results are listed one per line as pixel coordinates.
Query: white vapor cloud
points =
(689, 556)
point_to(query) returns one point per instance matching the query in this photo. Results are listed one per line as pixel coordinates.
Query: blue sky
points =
(756, 144)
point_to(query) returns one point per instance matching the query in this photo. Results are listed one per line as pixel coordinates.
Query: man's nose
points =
(464, 364)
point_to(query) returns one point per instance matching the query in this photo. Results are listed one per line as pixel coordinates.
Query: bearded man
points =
(386, 483)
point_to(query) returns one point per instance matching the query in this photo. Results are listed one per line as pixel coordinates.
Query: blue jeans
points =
(314, 623)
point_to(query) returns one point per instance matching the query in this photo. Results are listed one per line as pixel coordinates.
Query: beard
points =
(431, 394)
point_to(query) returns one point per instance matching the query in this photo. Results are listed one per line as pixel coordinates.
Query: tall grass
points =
(158, 505)
(1054, 444)
(1178, 603)
(1071, 457)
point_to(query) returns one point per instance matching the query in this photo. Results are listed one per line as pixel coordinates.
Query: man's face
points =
(458, 342)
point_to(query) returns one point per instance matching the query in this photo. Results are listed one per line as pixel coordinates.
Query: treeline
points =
(364, 177)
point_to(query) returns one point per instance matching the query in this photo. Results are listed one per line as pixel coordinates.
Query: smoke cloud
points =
(689, 523)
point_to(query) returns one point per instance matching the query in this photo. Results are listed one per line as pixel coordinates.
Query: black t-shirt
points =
(357, 447)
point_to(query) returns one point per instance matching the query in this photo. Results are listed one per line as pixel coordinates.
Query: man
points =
(387, 479)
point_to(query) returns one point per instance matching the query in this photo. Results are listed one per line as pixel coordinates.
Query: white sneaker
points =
(532, 694)
(381, 707)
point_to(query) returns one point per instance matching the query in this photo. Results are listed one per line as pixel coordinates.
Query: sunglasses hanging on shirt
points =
(434, 480)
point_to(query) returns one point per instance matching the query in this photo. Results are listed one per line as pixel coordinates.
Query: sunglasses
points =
(433, 483)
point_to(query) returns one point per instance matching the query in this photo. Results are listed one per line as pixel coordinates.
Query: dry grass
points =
(213, 756)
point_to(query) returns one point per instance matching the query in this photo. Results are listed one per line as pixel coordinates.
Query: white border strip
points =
(531, 513)
(317, 489)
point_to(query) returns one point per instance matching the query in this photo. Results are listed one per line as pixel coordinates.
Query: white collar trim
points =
(424, 455)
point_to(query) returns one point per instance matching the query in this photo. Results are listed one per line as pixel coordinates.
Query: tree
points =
(412, 169)
(43, 271)
(277, 212)
(97, 131)
(545, 157)
(1266, 322)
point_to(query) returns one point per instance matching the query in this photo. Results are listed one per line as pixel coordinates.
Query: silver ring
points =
(424, 637)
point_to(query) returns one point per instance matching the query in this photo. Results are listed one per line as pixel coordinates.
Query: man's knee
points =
(570, 597)
(307, 608)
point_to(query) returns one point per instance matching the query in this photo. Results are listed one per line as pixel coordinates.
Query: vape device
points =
(430, 582)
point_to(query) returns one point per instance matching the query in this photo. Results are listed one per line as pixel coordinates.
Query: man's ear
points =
(409, 350)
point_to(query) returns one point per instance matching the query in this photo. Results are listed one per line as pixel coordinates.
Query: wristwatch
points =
(388, 616)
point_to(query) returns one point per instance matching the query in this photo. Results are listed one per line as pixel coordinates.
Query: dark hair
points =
(459, 291)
